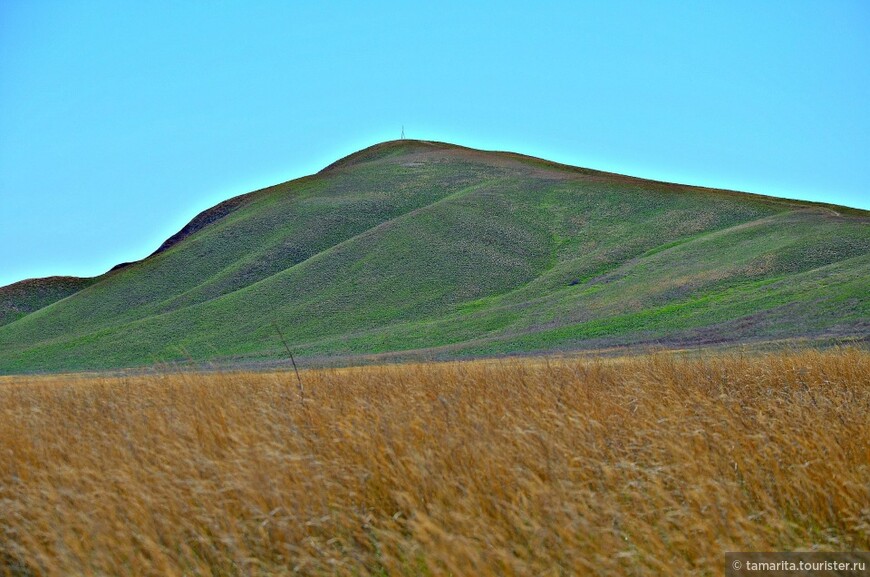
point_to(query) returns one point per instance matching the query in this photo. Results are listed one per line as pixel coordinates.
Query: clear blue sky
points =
(119, 121)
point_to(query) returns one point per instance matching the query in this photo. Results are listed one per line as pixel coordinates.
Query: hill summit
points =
(427, 249)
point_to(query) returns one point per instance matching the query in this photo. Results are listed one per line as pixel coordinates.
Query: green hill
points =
(447, 251)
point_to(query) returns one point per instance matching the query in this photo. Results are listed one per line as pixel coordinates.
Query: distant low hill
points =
(22, 298)
(435, 250)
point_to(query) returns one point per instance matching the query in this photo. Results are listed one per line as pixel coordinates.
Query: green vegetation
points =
(440, 251)
(22, 298)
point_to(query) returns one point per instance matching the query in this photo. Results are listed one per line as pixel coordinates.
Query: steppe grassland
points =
(641, 466)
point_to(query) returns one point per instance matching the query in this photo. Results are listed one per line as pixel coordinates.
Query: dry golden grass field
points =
(651, 465)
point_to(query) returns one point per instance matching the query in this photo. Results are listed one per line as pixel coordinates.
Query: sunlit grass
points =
(641, 466)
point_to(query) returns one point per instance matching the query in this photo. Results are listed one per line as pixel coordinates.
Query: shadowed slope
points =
(412, 245)
(24, 297)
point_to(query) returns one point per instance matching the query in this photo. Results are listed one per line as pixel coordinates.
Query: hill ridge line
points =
(565, 167)
(244, 197)
(320, 254)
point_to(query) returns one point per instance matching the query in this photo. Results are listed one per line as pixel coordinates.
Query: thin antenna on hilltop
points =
(403, 132)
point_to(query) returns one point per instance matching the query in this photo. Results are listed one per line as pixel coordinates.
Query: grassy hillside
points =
(447, 251)
(22, 298)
